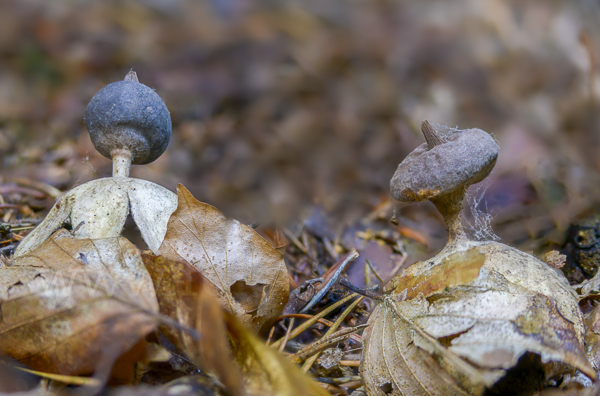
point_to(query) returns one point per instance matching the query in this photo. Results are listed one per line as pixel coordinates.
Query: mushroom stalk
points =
(450, 206)
(121, 162)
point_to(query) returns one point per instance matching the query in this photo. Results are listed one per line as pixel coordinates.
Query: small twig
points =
(379, 212)
(324, 343)
(314, 319)
(65, 379)
(270, 335)
(8, 215)
(330, 249)
(287, 335)
(319, 295)
(43, 187)
(8, 189)
(22, 228)
(306, 316)
(399, 265)
(9, 206)
(374, 272)
(585, 40)
(340, 380)
(332, 389)
(81, 224)
(309, 362)
(350, 363)
(363, 292)
(312, 255)
(352, 384)
(294, 240)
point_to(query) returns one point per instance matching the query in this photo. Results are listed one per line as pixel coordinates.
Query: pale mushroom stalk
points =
(121, 162)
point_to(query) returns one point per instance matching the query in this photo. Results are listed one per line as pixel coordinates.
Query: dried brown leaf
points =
(592, 337)
(554, 259)
(184, 296)
(249, 275)
(74, 303)
(456, 323)
(266, 372)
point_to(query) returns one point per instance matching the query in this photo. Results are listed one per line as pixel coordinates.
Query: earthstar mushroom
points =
(128, 123)
(479, 305)
(442, 169)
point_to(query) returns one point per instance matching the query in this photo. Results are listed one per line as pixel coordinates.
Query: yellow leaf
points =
(265, 371)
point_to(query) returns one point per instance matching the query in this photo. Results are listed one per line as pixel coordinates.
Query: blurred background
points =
(284, 108)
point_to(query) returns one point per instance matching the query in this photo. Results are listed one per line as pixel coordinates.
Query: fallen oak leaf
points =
(399, 356)
(72, 304)
(249, 275)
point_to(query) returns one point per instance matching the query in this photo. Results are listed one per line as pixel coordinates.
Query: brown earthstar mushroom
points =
(129, 123)
(442, 169)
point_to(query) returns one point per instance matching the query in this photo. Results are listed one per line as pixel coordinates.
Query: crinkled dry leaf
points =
(456, 323)
(250, 276)
(266, 372)
(99, 208)
(183, 295)
(592, 337)
(554, 259)
(74, 303)
(588, 286)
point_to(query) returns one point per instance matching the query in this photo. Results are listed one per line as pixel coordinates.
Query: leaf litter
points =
(261, 370)
(425, 303)
(229, 127)
(74, 305)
